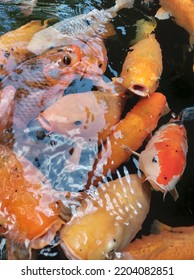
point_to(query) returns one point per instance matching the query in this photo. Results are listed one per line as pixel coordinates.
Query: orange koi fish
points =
(164, 159)
(13, 46)
(181, 11)
(169, 243)
(130, 131)
(107, 220)
(82, 26)
(37, 82)
(28, 210)
(142, 67)
(31, 212)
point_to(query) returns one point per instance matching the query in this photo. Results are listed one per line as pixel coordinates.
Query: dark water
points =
(177, 82)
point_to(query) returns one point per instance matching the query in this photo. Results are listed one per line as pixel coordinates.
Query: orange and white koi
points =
(164, 159)
(107, 220)
(142, 67)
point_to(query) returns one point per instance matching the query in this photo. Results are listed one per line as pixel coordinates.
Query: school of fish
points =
(38, 63)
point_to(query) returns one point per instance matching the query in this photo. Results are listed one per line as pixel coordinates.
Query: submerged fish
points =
(181, 11)
(84, 115)
(169, 243)
(37, 82)
(164, 159)
(28, 209)
(82, 26)
(142, 67)
(107, 220)
(13, 46)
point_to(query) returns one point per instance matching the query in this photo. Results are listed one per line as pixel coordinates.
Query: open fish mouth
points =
(139, 89)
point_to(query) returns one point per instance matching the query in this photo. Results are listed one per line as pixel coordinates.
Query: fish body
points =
(13, 46)
(170, 243)
(130, 131)
(107, 220)
(164, 159)
(89, 115)
(39, 81)
(181, 11)
(82, 26)
(142, 67)
(28, 208)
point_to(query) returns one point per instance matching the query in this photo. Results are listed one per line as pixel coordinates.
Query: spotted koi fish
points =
(164, 159)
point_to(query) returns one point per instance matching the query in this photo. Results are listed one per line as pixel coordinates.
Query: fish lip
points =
(139, 89)
(44, 122)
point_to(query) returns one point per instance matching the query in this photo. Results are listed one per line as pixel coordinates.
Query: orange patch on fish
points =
(13, 46)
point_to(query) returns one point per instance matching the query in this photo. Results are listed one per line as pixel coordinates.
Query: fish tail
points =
(121, 4)
(157, 227)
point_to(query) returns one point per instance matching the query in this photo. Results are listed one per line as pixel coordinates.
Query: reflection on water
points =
(51, 152)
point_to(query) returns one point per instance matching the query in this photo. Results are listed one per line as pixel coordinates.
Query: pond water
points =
(177, 83)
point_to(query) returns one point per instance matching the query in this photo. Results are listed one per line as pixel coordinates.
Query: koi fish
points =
(82, 26)
(107, 220)
(181, 11)
(130, 131)
(168, 243)
(27, 210)
(37, 82)
(31, 212)
(86, 118)
(164, 159)
(142, 67)
(84, 114)
(13, 46)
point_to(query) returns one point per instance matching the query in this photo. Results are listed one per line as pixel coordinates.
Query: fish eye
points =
(77, 122)
(66, 60)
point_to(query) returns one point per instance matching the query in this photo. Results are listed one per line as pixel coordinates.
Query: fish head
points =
(138, 78)
(59, 63)
(75, 115)
(95, 59)
(90, 235)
